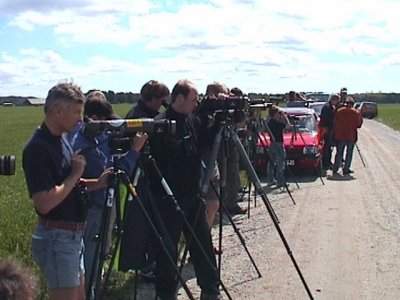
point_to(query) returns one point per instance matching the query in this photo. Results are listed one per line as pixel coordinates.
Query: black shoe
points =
(204, 296)
(283, 186)
(347, 172)
(148, 275)
(237, 210)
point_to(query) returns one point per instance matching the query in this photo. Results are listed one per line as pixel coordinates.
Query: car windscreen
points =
(302, 123)
(317, 108)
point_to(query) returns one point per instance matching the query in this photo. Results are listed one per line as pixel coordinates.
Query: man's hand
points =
(102, 181)
(78, 163)
(139, 140)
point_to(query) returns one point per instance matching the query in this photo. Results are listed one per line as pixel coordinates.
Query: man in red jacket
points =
(347, 121)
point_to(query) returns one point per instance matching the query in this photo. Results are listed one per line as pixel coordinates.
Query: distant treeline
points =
(377, 97)
(130, 97)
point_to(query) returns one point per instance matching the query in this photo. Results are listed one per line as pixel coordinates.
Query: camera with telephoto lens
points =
(7, 165)
(232, 103)
(229, 103)
(120, 132)
(258, 103)
(127, 127)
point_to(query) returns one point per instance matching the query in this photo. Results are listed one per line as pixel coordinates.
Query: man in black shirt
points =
(276, 165)
(52, 173)
(179, 156)
(153, 94)
(137, 245)
(326, 123)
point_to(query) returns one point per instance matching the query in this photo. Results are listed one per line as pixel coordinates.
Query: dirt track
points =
(344, 235)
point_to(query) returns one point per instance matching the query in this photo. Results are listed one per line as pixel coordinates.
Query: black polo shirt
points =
(46, 163)
(141, 110)
(276, 128)
(178, 155)
(327, 115)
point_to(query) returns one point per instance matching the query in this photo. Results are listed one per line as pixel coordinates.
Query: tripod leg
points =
(101, 247)
(318, 171)
(248, 199)
(187, 223)
(136, 284)
(264, 197)
(133, 193)
(242, 240)
(359, 154)
(222, 196)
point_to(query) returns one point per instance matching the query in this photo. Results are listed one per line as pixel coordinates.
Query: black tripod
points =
(188, 224)
(102, 238)
(359, 153)
(98, 282)
(257, 129)
(222, 208)
(255, 180)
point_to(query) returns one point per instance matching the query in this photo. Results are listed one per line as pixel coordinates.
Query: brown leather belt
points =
(66, 225)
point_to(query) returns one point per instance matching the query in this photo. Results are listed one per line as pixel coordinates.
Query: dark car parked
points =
(368, 109)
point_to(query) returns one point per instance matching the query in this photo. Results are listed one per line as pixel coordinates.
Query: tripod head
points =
(295, 122)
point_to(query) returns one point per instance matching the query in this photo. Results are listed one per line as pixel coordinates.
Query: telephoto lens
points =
(7, 165)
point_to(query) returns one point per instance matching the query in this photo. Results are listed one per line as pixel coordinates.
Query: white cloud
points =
(255, 42)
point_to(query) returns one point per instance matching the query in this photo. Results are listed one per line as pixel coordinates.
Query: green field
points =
(389, 114)
(17, 214)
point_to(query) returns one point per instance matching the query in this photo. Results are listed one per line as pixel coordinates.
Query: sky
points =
(260, 46)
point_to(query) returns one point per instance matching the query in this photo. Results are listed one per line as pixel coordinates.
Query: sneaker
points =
(237, 210)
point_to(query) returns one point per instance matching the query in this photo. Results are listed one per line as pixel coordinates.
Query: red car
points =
(302, 139)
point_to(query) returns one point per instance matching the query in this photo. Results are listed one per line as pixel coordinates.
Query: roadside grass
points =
(18, 217)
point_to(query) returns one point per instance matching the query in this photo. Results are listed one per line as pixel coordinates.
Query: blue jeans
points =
(276, 163)
(59, 254)
(340, 145)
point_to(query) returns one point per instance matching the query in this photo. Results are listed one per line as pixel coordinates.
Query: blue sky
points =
(257, 45)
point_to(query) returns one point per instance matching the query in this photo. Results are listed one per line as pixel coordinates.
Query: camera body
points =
(7, 165)
(229, 103)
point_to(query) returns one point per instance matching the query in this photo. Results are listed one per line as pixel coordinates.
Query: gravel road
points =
(343, 234)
